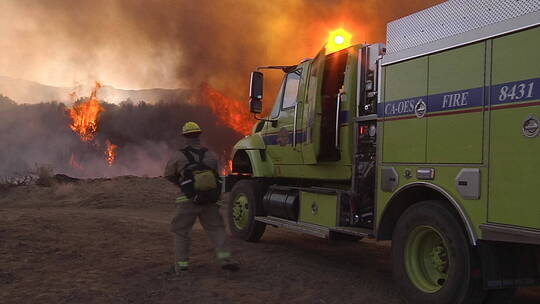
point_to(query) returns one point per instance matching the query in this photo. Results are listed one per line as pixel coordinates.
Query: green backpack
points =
(199, 182)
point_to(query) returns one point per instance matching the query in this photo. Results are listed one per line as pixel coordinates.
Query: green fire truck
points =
(430, 140)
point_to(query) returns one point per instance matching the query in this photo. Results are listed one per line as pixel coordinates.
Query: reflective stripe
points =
(182, 264)
(223, 255)
(187, 182)
(182, 199)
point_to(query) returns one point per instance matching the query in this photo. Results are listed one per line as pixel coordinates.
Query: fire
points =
(230, 112)
(85, 116)
(337, 40)
(227, 168)
(111, 153)
(84, 122)
(73, 162)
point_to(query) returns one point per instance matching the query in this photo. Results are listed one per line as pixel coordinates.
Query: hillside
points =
(24, 91)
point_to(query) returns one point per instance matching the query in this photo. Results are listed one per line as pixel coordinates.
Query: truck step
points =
(357, 231)
(311, 229)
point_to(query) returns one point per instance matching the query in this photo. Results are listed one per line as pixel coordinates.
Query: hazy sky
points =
(166, 43)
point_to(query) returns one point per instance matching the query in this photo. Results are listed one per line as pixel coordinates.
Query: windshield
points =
(277, 103)
(288, 93)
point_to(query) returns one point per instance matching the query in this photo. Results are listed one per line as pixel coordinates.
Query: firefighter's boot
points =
(229, 264)
(181, 266)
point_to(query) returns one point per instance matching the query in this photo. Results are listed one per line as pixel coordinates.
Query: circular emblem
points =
(531, 126)
(420, 109)
(283, 137)
(407, 173)
(314, 208)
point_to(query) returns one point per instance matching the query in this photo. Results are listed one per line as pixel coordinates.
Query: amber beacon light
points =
(337, 40)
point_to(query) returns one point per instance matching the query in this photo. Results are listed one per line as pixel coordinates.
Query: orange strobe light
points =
(338, 40)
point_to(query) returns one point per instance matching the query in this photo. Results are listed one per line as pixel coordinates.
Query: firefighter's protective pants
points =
(210, 218)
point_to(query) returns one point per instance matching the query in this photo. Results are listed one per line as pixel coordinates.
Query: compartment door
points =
(404, 137)
(514, 164)
(455, 124)
(317, 208)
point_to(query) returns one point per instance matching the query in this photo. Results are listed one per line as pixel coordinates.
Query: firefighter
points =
(189, 207)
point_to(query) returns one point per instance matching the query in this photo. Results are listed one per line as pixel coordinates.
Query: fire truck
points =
(430, 140)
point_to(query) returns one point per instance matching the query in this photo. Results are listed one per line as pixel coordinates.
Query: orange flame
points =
(230, 112)
(338, 39)
(111, 153)
(227, 168)
(85, 115)
(73, 162)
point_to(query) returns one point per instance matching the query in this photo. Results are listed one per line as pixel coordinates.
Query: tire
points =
(500, 296)
(245, 202)
(432, 257)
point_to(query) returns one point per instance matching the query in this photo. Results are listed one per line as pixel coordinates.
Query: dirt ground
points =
(107, 241)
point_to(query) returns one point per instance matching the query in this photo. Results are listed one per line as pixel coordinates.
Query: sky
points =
(134, 44)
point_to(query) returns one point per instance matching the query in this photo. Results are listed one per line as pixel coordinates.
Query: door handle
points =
(338, 106)
(294, 124)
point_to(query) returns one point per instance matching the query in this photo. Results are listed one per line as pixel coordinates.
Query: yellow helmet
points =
(191, 127)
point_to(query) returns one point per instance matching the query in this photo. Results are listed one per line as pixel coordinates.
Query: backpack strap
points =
(188, 153)
(199, 152)
(189, 156)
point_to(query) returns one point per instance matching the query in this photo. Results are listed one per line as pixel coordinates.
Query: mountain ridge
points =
(32, 92)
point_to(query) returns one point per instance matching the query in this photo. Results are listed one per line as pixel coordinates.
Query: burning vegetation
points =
(229, 112)
(85, 117)
(142, 137)
(111, 152)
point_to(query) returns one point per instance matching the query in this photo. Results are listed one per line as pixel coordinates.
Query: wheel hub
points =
(426, 259)
(240, 211)
(439, 258)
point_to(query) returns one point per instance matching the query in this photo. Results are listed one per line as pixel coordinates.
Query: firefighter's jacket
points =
(173, 170)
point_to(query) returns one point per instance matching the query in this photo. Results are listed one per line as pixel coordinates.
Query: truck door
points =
(282, 136)
(312, 110)
(322, 120)
(514, 158)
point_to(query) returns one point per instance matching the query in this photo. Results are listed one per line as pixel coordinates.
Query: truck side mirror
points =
(256, 92)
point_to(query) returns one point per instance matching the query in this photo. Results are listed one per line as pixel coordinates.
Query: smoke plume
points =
(205, 46)
(164, 43)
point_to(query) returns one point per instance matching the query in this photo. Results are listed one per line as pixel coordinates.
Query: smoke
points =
(146, 136)
(165, 43)
(157, 43)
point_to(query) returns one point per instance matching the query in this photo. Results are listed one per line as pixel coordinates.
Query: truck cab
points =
(308, 134)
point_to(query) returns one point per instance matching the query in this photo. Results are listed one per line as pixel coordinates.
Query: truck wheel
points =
(432, 258)
(244, 204)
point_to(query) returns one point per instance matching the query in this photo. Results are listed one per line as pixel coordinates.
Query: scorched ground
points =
(107, 241)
